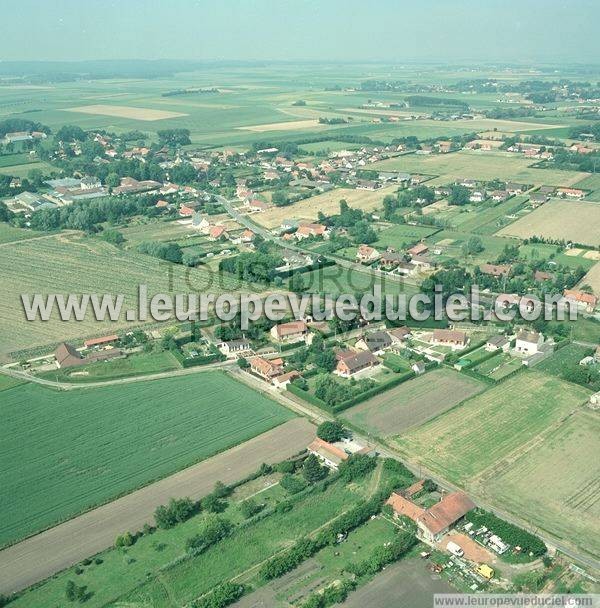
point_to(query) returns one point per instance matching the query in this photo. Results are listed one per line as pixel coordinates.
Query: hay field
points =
(84, 266)
(556, 485)
(592, 278)
(131, 113)
(467, 440)
(477, 165)
(413, 403)
(327, 202)
(63, 452)
(576, 221)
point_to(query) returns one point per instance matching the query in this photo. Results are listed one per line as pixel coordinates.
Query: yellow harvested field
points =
(592, 278)
(592, 255)
(327, 203)
(126, 112)
(575, 221)
(282, 126)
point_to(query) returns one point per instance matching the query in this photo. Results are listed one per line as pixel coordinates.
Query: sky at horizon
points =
(384, 30)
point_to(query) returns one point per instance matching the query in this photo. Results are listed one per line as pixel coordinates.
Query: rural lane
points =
(49, 552)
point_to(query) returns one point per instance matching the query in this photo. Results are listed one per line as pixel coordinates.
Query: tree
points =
(356, 466)
(250, 507)
(212, 529)
(71, 591)
(331, 431)
(112, 180)
(243, 363)
(174, 137)
(312, 469)
(280, 198)
(213, 504)
(472, 246)
(459, 195)
(297, 283)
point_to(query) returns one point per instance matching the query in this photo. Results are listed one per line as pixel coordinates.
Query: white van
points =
(455, 549)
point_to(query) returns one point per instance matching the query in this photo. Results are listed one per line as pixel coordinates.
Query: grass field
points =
(568, 355)
(84, 266)
(133, 365)
(575, 221)
(23, 169)
(556, 485)
(499, 366)
(327, 203)
(401, 234)
(10, 234)
(65, 452)
(478, 165)
(413, 402)
(462, 443)
(591, 182)
(126, 112)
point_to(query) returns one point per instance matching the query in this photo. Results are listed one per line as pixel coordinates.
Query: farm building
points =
(399, 334)
(101, 341)
(449, 337)
(67, 355)
(333, 454)
(434, 522)
(315, 230)
(390, 259)
(294, 331)
(283, 380)
(495, 270)
(585, 300)
(418, 249)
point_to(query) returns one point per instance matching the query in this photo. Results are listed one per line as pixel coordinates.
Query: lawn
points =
(465, 441)
(555, 486)
(413, 402)
(499, 366)
(64, 452)
(575, 221)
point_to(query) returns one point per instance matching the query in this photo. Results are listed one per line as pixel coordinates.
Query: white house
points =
(528, 342)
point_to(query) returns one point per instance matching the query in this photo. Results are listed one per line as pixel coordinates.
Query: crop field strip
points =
(556, 485)
(462, 443)
(85, 266)
(63, 453)
(576, 221)
(412, 403)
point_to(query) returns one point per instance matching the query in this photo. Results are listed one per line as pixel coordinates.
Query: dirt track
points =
(54, 550)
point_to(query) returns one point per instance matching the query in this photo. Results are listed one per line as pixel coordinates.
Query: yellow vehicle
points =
(485, 571)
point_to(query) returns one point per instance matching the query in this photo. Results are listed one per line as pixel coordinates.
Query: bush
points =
(356, 466)
(177, 511)
(292, 484)
(212, 530)
(509, 533)
(287, 466)
(250, 507)
(221, 596)
(383, 555)
(213, 504)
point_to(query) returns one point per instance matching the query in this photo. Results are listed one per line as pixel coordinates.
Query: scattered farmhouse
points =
(528, 342)
(233, 348)
(375, 342)
(582, 299)
(367, 254)
(433, 523)
(498, 343)
(266, 369)
(355, 363)
(418, 249)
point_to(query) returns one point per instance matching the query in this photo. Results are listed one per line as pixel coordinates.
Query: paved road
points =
(43, 555)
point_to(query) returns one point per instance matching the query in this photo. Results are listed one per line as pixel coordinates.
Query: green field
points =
(462, 443)
(569, 355)
(499, 366)
(9, 234)
(478, 165)
(64, 452)
(133, 365)
(84, 266)
(401, 234)
(149, 573)
(413, 402)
